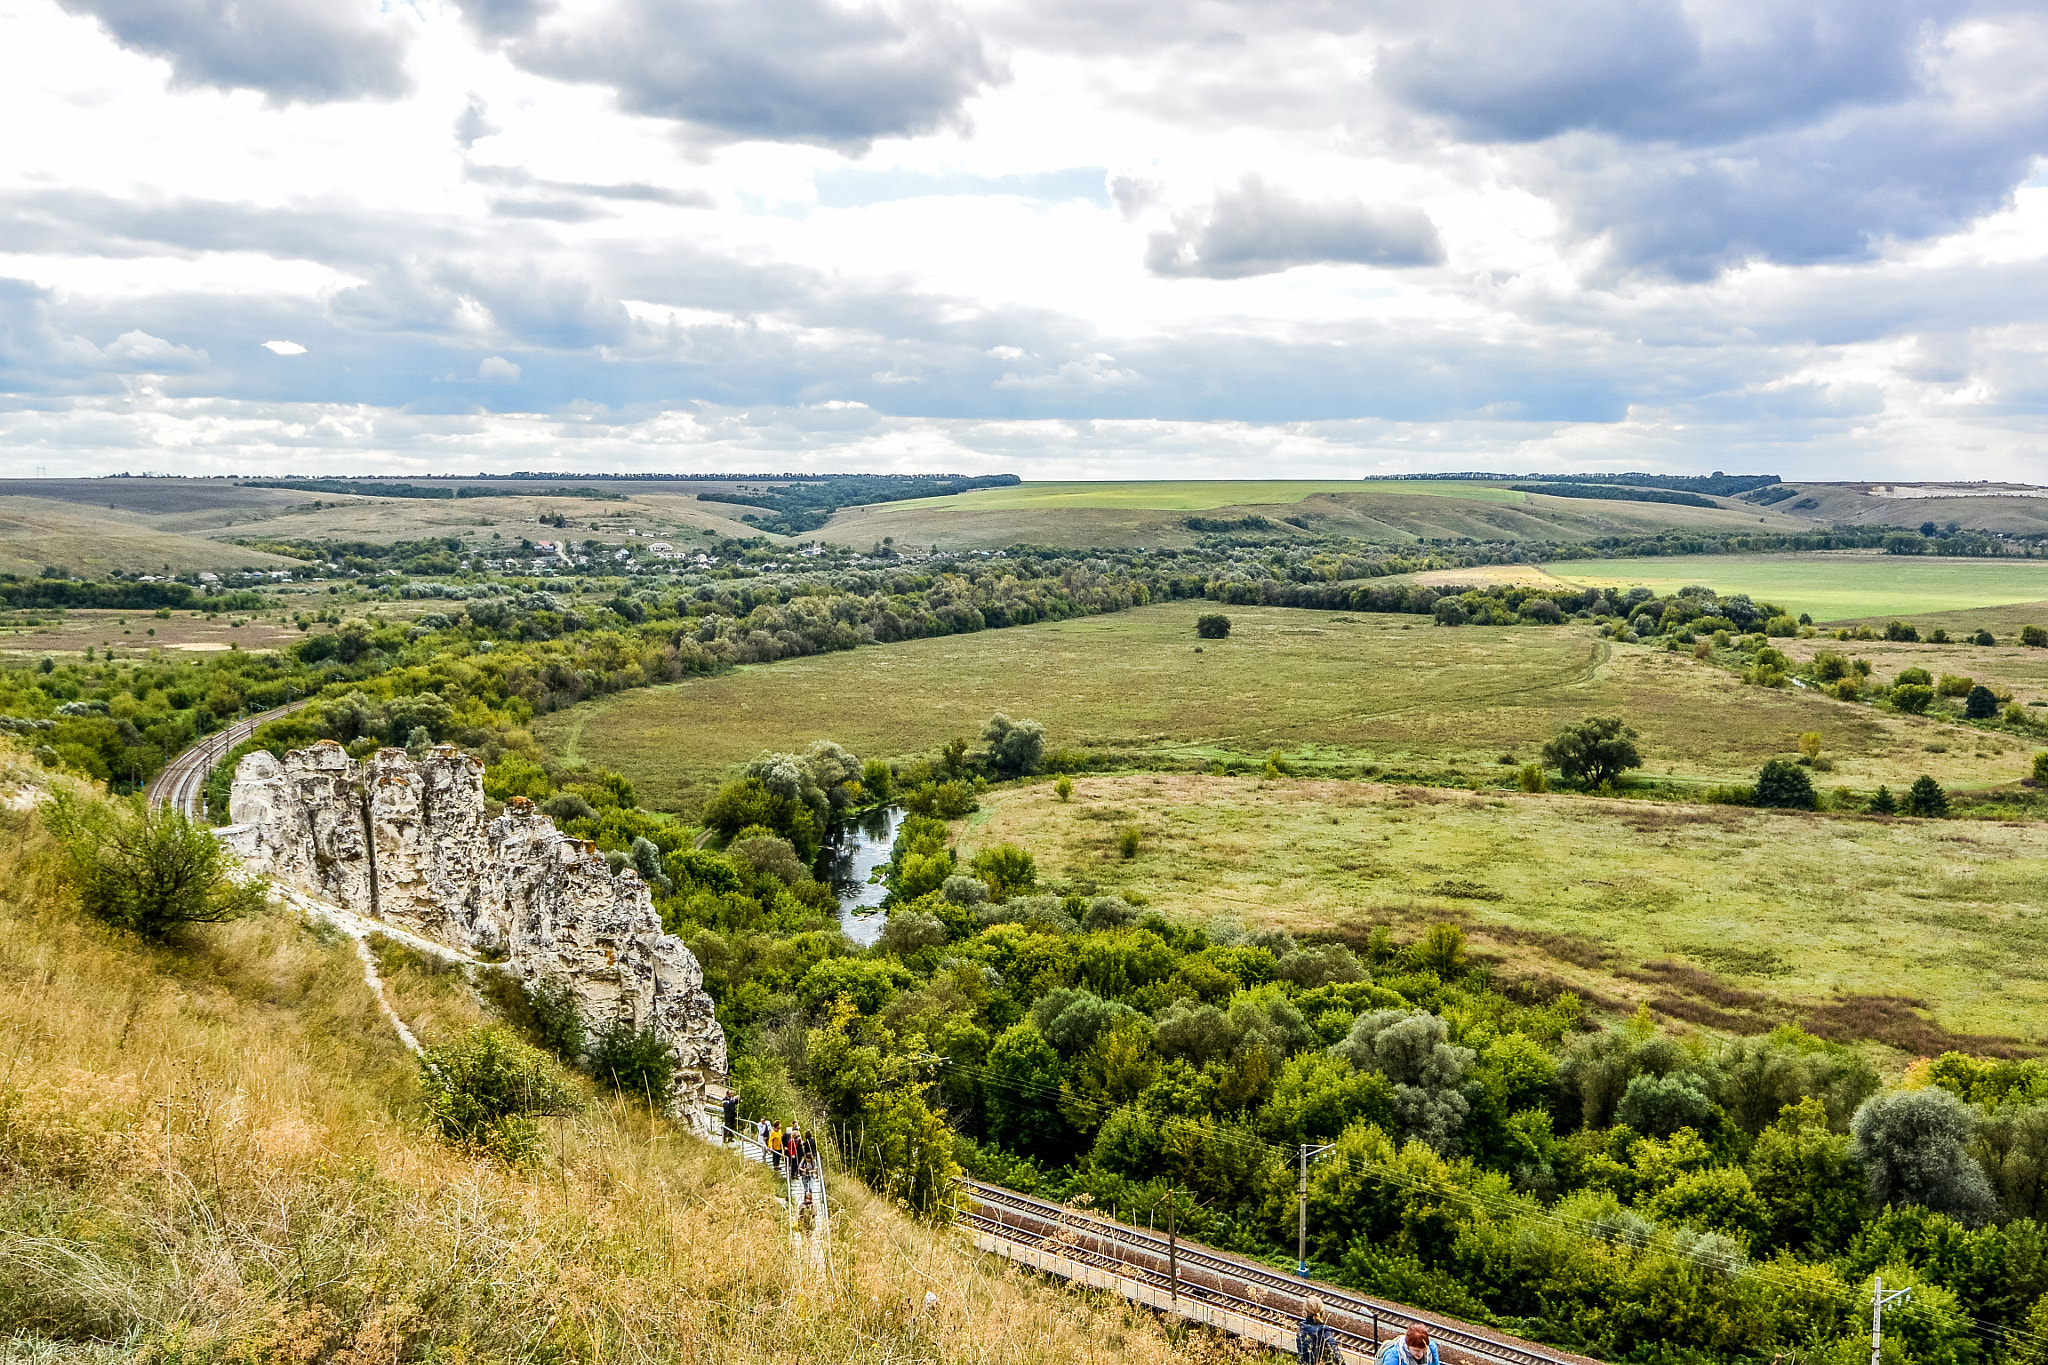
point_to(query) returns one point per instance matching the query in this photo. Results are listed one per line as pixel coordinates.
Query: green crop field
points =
(1339, 691)
(1200, 495)
(1804, 910)
(1832, 587)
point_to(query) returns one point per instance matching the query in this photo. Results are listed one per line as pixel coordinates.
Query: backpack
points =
(1315, 1343)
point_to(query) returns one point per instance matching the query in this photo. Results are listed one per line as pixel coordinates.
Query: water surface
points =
(855, 851)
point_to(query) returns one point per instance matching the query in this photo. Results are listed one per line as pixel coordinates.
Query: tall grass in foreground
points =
(217, 1152)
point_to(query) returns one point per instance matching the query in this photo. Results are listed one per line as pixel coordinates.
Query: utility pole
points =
(1301, 1227)
(1878, 1299)
(1173, 1256)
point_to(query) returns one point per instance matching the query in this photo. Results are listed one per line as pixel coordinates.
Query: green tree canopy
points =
(1598, 749)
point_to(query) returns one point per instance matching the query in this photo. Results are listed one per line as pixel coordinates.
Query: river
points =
(855, 851)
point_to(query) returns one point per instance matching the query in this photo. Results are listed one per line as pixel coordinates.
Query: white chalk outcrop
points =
(411, 844)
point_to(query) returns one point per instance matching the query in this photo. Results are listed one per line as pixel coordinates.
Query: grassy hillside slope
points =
(214, 1152)
(1123, 515)
(35, 532)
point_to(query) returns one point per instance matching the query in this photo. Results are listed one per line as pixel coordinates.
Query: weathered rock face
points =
(409, 843)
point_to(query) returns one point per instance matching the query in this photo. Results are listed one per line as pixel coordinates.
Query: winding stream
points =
(855, 851)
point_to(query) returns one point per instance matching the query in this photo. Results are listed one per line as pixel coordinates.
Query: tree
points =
(1015, 747)
(1412, 1049)
(1442, 950)
(1596, 750)
(150, 871)
(1783, 785)
(487, 1088)
(1214, 626)
(1927, 800)
(1064, 788)
(1981, 703)
(1807, 1180)
(1659, 1106)
(1884, 803)
(2040, 771)
(1023, 1083)
(1914, 1147)
(2033, 636)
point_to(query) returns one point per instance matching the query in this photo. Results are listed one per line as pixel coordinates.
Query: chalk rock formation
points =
(409, 843)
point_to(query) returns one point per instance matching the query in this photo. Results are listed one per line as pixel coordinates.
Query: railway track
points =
(1243, 1290)
(182, 783)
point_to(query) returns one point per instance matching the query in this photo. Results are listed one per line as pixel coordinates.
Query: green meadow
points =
(1199, 495)
(1832, 587)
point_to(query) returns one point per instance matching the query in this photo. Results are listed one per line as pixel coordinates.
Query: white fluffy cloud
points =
(1100, 239)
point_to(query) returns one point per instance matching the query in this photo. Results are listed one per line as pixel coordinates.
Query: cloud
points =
(294, 51)
(498, 370)
(284, 347)
(782, 70)
(473, 125)
(139, 352)
(1258, 230)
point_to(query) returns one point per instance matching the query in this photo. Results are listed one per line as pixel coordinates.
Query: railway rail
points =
(1231, 1292)
(182, 783)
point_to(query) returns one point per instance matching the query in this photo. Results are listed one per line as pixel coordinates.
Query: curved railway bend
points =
(182, 783)
(1230, 1293)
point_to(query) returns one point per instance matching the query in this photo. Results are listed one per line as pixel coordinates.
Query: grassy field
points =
(90, 542)
(1331, 690)
(1833, 587)
(1807, 912)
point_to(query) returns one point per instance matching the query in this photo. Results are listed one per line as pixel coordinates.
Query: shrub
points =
(2041, 767)
(1900, 631)
(1214, 626)
(1783, 786)
(877, 781)
(1596, 750)
(1983, 637)
(2033, 636)
(1781, 627)
(1530, 778)
(1848, 689)
(1809, 743)
(1981, 704)
(148, 871)
(1950, 685)
(1918, 676)
(634, 1062)
(1729, 796)
(1912, 698)
(1127, 842)
(1829, 667)
(1442, 950)
(1926, 799)
(486, 1088)
(1064, 788)
(1007, 869)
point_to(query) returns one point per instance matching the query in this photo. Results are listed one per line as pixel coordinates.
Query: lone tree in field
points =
(1980, 704)
(1214, 626)
(149, 871)
(1783, 786)
(1927, 800)
(1598, 749)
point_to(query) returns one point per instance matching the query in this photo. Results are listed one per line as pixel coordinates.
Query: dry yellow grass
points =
(214, 1153)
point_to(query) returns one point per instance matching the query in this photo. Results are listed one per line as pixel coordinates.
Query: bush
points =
(1829, 667)
(1007, 869)
(2041, 767)
(2033, 636)
(1918, 676)
(1127, 842)
(1783, 786)
(1901, 632)
(1064, 789)
(634, 1062)
(486, 1088)
(1981, 704)
(1810, 743)
(1530, 778)
(1442, 950)
(1848, 689)
(1912, 698)
(1926, 799)
(1983, 637)
(1950, 685)
(148, 871)
(1781, 627)
(1214, 626)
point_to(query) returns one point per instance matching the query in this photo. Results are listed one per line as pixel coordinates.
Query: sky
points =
(1062, 239)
